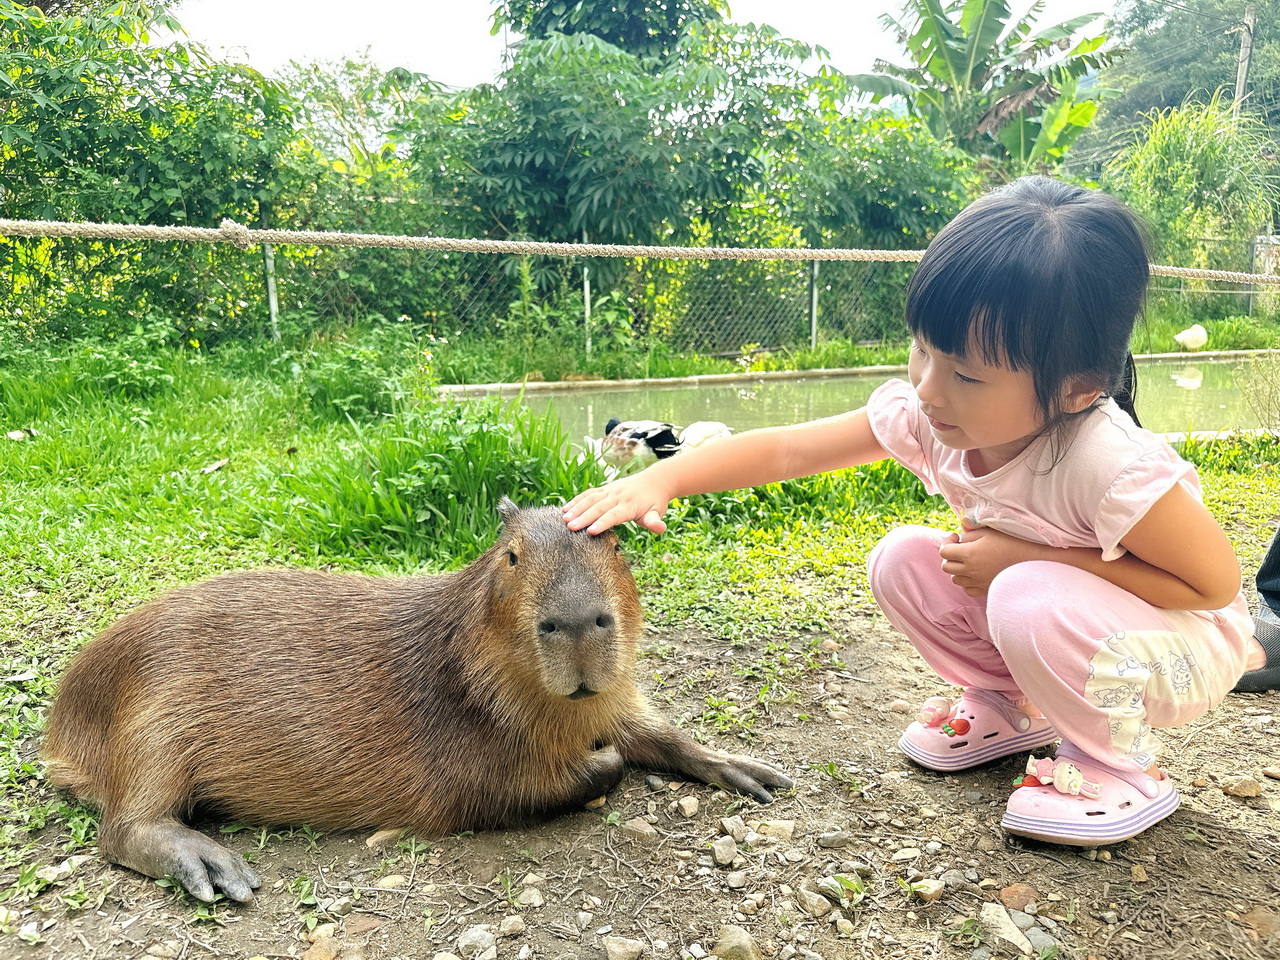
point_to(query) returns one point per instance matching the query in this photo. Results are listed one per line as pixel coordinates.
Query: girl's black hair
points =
(1048, 277)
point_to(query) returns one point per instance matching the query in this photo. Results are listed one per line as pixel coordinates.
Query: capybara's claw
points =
(744, 775)
(207, 869)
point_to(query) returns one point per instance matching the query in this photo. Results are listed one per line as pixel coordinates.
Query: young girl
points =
(1087, 593)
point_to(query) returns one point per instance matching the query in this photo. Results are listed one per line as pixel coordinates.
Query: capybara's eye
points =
(512, 558)
(617, 548)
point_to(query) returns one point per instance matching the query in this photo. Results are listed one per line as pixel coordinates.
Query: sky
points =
(450, 41)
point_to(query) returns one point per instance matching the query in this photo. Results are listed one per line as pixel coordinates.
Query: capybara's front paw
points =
(168, 849)
(745, 775)
(604, 770)
(206, 869)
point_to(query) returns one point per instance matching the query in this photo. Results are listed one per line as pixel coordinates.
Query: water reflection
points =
(1173, 396)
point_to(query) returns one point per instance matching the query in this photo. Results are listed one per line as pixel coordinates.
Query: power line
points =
(1194, 13)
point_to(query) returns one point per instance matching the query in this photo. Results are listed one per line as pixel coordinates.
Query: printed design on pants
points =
(1130, 666)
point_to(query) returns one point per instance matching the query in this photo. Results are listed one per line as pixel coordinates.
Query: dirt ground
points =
(1202, 884)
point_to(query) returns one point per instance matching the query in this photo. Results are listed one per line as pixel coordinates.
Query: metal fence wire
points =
(721, 305)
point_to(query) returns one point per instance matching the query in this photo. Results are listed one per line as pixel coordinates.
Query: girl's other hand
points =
(973, 557)
(631, 498)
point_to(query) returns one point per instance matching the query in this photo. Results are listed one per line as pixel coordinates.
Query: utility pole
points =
(1246, 51)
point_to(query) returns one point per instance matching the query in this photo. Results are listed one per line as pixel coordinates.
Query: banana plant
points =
(994, 84)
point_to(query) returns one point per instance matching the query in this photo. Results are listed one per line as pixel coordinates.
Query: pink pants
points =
(1103, 666)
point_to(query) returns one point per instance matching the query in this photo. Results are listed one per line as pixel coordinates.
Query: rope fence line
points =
(245, 238)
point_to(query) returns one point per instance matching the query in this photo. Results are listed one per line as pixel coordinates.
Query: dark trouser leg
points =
(1266, 623)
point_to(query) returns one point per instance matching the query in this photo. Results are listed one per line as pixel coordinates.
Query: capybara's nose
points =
(591, 625)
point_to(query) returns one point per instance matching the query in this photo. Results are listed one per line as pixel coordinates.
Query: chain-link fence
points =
(720, 305)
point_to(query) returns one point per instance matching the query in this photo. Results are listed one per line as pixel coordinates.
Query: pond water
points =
(1173, 396)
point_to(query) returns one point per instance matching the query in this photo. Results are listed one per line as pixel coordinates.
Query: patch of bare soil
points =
(1202, 884)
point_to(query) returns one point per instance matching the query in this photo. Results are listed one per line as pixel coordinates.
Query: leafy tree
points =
(580, 136)
(646, 28)
(996, 85)
(97, 124)
(1167, 54)
(1198, 174)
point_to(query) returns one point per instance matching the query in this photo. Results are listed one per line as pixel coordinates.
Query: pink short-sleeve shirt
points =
(1086, 488)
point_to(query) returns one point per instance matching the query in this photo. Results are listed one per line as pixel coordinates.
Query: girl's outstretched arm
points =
(744, 460)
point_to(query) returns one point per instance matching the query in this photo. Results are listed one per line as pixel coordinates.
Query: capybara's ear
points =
(507, 509)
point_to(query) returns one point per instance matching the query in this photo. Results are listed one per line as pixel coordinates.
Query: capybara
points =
(499, 694)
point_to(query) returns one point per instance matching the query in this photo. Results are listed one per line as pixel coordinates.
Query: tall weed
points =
(421, 486)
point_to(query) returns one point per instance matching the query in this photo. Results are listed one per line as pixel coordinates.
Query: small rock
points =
(734, 827)
(901, 706)
(532, 879)
(511, 926)
(830, 644)
(383, 838)
(322, 931)
(530, 897)
(584, 919)
(326, 949)
(688, 806)
(933, 848)
(165, 949)
(1016, 896)
(446, 956)
(390, 882)
(1109, 916)
(1104, 856)
(1042, 944)
(620, 948)
(906, 853)
(973, 796)
(927, 813)
(1139, 873)
(1023, 921)
(815, 904)
(474, 941)
(361, 924)
(724, 850)
(339, 907)
(640, 829)
(929, 890)
(782, 829)
(834, 840)
(736, 880)
(845, 927)
(1241, 786)
(655, 783)
(954, 879)
(736, 944)
(998, 928)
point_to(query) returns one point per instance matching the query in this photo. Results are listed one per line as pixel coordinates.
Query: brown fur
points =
(432, 703)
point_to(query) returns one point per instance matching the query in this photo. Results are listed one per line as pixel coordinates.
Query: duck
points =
(627, 440)
(648, 440)
(1192, 338)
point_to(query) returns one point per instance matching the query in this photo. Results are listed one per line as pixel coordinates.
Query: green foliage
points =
(97, 124)
(1167, 54)
(641, 27)
(997, 85)
(423, 484)
(1198, 173)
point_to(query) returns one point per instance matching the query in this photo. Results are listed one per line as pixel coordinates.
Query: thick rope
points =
(244, 238)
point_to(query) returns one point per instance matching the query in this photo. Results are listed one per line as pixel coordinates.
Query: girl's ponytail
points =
(1126, 393)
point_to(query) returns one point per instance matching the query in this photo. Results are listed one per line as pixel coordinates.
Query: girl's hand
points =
(974, 556)
(631, 498)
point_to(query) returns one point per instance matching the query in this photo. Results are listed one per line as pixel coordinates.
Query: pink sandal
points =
(979, 727)
(1073, 800)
